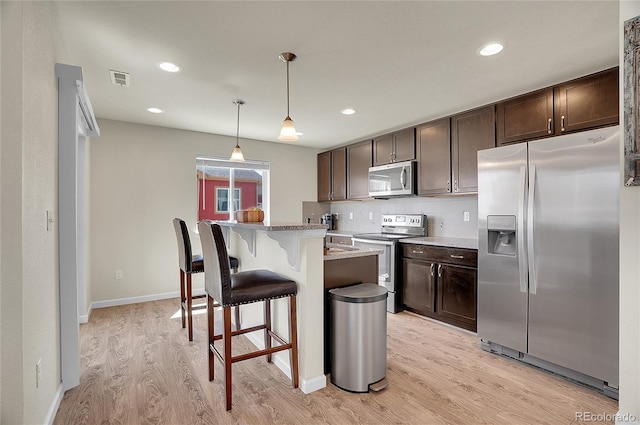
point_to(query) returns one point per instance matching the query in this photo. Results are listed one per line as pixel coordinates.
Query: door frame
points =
(76, 122)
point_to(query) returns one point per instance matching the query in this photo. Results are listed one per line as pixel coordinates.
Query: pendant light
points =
(237, 152)
(288, 131)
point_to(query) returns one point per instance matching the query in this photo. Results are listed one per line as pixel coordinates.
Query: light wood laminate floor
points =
(138, 367)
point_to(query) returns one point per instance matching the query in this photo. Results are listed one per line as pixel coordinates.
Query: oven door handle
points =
(373, 242)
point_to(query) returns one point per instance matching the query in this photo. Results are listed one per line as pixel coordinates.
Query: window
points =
(222, 199)
(224, 187)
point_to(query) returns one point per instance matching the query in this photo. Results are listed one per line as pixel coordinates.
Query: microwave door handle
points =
(402, 177)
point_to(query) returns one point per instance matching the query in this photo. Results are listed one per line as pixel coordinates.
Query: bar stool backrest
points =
(217, 274)
(184, 245)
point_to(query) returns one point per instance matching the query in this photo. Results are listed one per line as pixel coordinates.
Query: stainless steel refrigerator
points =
(548, 219)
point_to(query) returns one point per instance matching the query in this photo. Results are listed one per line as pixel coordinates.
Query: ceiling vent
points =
(120, 78)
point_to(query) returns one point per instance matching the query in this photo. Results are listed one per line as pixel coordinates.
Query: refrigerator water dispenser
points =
(502, 234)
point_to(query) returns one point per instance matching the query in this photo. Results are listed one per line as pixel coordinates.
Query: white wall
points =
(0, 225)
(144, 176)
(629, 269)
(30, 325)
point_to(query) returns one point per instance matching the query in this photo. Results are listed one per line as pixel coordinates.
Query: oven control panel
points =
(404, 220)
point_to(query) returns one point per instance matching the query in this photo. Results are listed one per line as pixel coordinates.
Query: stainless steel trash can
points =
(359, 337)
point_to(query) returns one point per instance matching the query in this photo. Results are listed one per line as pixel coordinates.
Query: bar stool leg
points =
(237, 317)
(210, 321)
(189, 307)
(267, 329)
(293, 337)
(227, 354)
(182, 299)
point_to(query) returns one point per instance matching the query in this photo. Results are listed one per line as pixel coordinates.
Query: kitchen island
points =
(294, 250)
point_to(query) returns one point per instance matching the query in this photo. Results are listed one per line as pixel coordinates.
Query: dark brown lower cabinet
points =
(457, 293)
(441, 283)
(419, 289)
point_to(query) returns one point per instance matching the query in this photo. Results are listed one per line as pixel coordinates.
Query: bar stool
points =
(190, 264)
(243, 288)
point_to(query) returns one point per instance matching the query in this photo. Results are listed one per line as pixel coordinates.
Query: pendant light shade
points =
(288, 132)
(237, 152)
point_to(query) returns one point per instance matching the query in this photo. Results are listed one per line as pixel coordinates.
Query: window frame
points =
(237, 200)
(261, 167)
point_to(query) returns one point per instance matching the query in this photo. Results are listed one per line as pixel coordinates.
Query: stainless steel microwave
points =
(395, 179)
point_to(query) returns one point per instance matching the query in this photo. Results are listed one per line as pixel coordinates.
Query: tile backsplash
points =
(445, 216)
(311, 211)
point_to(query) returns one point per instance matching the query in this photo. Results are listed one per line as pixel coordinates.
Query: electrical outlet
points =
(38, 372)
(466, 216)
(370, 216)
(118, 274)
(350, 216)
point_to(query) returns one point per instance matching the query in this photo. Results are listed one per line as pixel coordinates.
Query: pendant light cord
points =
(287, 88)
(238, 128)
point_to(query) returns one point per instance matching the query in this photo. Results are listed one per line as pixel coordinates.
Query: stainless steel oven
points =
(394, 227)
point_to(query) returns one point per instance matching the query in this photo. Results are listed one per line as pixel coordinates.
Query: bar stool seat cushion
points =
(258, 285)
(197, 264)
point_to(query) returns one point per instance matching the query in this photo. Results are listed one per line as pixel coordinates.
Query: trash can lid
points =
(361, 293)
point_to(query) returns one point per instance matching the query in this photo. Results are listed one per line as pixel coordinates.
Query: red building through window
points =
(214, 203)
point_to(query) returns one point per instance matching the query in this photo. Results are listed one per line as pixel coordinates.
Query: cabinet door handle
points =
(439, 270)
(455, 185)
(562, 123)
(432, 267)
(413, 251)
(549, 126)
(459, 257)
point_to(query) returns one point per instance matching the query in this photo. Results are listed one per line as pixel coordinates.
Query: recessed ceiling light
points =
(348, 111)
(168, 66)
(155, 110)
(491, 49)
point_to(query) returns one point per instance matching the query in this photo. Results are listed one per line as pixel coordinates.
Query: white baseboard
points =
(307, 386)
(314, 384)
(141, 299)
(133, 300)
(626, 419)
(55, 404)
(85, 317)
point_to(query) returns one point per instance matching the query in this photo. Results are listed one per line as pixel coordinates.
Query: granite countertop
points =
(271, 225)
(338, 252)
(443, 241)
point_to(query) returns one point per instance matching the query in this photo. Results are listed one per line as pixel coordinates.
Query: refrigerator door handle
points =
(530, 247)
(522, 260)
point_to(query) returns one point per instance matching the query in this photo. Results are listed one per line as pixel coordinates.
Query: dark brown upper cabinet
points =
(394, 147)
(433, 152)
(471, 132)
(359, 159)
(525, 117)
(576, 105)
(591, 101)
(332, 173)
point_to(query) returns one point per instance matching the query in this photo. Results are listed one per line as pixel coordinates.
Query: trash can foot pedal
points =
(379, 386)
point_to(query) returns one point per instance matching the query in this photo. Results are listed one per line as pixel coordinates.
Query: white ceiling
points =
(396, 63)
